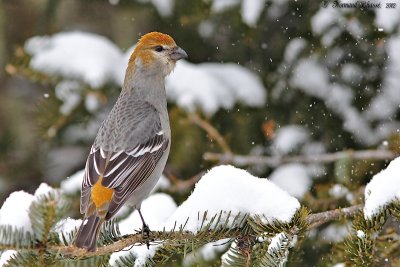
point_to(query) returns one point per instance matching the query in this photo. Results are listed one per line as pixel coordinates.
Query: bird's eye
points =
(159, 48)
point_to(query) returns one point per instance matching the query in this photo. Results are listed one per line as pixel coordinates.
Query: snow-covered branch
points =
(313, 220)
(126, 241)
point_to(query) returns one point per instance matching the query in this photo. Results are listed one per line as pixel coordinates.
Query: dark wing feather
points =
(123, 171)
(124, 156)
(95, 167)
(136, 173)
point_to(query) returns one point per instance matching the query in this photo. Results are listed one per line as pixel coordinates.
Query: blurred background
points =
(278, 81)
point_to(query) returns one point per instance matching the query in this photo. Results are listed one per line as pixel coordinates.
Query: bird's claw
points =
(146, 234)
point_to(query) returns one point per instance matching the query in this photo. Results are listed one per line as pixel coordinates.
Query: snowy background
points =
(275, 78)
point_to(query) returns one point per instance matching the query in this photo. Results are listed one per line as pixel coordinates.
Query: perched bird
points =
(133, 142)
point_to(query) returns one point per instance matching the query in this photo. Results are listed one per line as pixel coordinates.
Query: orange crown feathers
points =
(156, 38)
(150, 40)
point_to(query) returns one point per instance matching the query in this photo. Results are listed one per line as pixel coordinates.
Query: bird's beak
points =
(178, 53)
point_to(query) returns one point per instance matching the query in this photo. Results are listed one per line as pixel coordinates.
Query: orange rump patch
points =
(100, 194)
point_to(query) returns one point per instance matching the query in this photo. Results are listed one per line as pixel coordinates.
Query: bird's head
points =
(156, 53)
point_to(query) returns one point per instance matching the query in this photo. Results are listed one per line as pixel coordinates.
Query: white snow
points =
(338, 191)
(217, 190)
(383, 189)
(155, 209)
(312, 75)
(75, 55)
(387, 103)
(312, 78)
(206, 28)
(330, 21)
(275, 242)
(329, 37)
(251, 11)
(162, 184)
(377, 120)
(293, 49)
(244, 85)
(69, 92)
(225, 257)
(218, 6)
(293, 178)
(42, 190)
(335, 232)
(355, 28)
(277, 8)
(223, 188)
(360, 234)
(288, 138)
(208, 252)
(66, 226)
(351, 73)
(21, 201)
(163, 7)
(92, 102)
(86, 58)
(292, 52)
(217, 86)
(73, 184)
(6, 256)
(313, 149)
(226, 188)
(141, 254)
(17, 201)
(324, 18)
(387, 18)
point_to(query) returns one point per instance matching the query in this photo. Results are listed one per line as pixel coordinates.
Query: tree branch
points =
(317, 219)
(313, 221)
(180, 185)
(273, 161)
(212, 132)
(136, 239)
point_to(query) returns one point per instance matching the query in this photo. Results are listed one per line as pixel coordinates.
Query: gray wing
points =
(126, 169)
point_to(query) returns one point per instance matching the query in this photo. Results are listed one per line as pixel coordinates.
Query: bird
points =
(132, 144)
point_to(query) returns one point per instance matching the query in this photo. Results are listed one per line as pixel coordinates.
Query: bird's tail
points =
(89, 232)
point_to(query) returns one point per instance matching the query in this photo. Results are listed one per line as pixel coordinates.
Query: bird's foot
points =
(145, 231)
(146, 234)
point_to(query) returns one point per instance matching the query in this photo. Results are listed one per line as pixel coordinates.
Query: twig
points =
(313, 221)
(185, 185)
(74, 252)
(273, 161)
(317, 219)
(212, 132)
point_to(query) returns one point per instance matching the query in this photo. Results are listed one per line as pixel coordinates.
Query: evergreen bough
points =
(249, 240)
